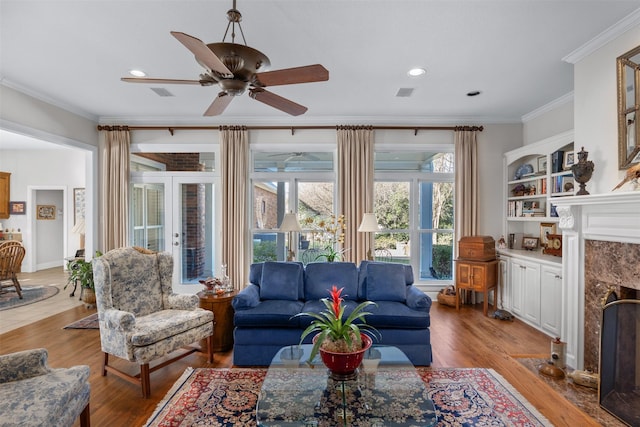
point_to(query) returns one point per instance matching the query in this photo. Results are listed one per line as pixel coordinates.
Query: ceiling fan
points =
(298, 156)
(234, 68)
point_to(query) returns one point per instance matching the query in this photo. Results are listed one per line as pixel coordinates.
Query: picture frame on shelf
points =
(546, 228)
(45, 212)
(569, 159)
(542, 164)
(567, 184)
(530, 243)
(17, 208)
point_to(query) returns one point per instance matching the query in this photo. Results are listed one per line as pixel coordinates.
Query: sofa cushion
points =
(281, 281)
(386, 282)
(362, 276)
(396, 315)
(255, 273)
(269, 314)
(321, 276)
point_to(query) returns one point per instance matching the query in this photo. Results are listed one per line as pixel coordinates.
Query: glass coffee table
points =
(387, 391)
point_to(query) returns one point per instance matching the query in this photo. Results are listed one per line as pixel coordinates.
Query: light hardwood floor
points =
(459, 339)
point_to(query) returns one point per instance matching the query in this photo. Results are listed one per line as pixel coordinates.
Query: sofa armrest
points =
(249, 297)
(118, 319)
(23, 364)
(418, 300)
(182, 302)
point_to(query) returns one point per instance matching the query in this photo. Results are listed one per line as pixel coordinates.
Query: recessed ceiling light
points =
(474, 93)
(137, 73)
(415, 72)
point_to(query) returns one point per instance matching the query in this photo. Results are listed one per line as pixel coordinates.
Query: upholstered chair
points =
(33, 394)
(141, 319)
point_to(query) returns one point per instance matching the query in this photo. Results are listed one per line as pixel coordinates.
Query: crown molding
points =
(611, 33)
(564, 99)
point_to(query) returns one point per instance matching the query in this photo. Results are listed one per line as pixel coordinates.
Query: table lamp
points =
(290, 224)
(78, 228)
(369, 224)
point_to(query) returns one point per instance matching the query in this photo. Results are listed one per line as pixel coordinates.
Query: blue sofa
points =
(264, 310)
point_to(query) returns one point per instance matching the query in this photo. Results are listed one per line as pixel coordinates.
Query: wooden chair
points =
(11, 256)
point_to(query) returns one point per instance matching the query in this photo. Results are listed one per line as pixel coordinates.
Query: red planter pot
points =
(344, 365)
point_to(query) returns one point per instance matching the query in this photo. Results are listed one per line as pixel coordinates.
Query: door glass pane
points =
(315, 207)
(436, 216)
(196, 213)
(147, 216)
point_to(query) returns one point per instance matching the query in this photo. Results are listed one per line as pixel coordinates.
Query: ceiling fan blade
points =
(276, 101)
(202, 53)
(218, 105)
(160, 81)
(289, 76)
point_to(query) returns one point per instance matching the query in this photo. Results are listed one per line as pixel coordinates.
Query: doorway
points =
(174, 212)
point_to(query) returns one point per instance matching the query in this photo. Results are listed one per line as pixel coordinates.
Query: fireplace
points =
(619, 391)
(601, 249)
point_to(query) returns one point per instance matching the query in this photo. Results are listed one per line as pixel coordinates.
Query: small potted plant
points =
(82, 271)
(341, 343)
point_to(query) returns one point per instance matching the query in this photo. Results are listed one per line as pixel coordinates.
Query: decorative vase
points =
(582, 171)
(89, 297)
(342, 366)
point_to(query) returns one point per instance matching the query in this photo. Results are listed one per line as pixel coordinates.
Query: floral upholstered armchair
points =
(33, 394)
(141, 319)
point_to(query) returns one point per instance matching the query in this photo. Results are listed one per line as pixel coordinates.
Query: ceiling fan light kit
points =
(234, 68)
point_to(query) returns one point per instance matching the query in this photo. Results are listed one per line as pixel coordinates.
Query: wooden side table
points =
(222, 318)
(478, 276)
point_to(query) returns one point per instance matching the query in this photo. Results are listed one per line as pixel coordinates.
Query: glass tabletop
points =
(387, 391)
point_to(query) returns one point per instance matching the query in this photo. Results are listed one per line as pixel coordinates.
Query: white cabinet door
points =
(551, 300)
(531, 303)
(504, 290)
(516, 274)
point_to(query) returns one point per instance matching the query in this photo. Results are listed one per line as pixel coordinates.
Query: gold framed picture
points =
(546, 228)
(45, 212)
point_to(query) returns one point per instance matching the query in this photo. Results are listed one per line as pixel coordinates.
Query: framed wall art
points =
(546, 228)
(17, 208)
(45, 212)
(78, 204)
(530, 243)
(569, 160)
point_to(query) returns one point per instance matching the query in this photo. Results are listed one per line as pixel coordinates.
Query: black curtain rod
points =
(172, 129)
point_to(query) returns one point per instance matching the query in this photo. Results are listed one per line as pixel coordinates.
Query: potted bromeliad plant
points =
(341, 342)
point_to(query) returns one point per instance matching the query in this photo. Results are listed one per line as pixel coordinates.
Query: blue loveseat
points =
(263, 321)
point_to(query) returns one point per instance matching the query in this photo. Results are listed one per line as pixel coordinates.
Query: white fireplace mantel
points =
(613, 217)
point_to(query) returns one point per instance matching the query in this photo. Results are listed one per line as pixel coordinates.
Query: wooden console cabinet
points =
(477, 276)
(5, 185)
(222, 318)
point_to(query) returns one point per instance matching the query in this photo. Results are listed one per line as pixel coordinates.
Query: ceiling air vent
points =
(161, 91)
(404, 92)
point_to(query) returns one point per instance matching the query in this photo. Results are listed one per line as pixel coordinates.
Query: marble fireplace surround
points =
(586, 221)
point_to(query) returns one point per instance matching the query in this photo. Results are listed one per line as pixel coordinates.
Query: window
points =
(285, 182)
(413, 202)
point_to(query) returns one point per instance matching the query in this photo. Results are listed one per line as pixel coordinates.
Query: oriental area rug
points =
(89, 322)
(228, 397)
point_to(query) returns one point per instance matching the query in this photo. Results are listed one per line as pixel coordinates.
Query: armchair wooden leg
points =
(210, 348)
(145, 381)
(85, 419)
(105, 363)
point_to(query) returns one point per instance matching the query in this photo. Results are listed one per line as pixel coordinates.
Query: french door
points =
(174, 212)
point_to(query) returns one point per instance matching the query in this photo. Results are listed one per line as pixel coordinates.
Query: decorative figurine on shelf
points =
(502, 244)
(582, 171)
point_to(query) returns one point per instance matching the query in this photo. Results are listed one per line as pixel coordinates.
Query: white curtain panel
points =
(466, 186)
(115, 188)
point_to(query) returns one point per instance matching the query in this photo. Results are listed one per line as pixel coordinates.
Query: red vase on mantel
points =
(342, 366)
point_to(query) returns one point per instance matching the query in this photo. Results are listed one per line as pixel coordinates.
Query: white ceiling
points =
(73, 53)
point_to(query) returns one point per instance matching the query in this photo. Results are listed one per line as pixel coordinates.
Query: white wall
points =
(596, 125)
(549, 120)
(62, 168)
(49, 233)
